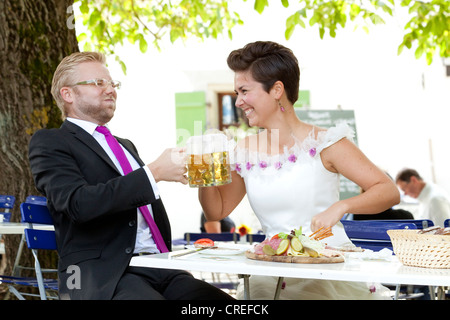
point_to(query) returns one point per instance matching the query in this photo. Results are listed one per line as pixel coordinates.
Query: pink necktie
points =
(126, 167)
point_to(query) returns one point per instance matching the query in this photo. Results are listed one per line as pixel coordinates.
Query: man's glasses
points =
(101, 83)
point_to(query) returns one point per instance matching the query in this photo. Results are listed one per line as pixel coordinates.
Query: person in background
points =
(103, 199)
(224, 225)
(434, 202)
(389, 214)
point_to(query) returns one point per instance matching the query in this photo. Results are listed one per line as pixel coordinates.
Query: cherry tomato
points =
(204, 242)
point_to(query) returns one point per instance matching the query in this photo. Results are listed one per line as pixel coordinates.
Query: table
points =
(18, 228)
(387, 272)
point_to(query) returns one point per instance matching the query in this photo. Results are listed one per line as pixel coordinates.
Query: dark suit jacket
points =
(93, 208)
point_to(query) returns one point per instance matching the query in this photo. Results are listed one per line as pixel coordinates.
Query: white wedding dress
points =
(285, 191)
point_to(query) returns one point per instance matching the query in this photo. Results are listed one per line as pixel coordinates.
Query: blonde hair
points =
(63, 75)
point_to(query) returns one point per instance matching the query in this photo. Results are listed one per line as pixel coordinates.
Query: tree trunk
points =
(34, 36)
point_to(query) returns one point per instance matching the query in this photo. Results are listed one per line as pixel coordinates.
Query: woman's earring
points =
(281, 107)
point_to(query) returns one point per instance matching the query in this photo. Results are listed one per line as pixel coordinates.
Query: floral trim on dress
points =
(249, 161)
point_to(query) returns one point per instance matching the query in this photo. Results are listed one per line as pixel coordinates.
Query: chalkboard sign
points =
(327, 119)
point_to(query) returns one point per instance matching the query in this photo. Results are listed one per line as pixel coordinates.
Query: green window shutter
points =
(190, 113)
(304, 99)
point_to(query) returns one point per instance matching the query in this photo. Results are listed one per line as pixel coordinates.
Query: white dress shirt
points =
(144, 240)
(434, 204)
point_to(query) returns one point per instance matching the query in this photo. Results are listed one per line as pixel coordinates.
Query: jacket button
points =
(132, 223)
(128, 250)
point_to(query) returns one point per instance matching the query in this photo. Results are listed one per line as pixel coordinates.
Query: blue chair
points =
(32, 214)
(372, 234)
(225, 236)
(255, 237)
(36, 199)
(420, 223)
(6, 204)
(17, 267)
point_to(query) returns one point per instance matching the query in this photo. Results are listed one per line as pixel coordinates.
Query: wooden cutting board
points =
(293, 259)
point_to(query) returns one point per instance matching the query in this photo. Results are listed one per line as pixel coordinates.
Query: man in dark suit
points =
(94, 204)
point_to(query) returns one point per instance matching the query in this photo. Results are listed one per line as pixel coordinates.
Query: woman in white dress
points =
(290, 171)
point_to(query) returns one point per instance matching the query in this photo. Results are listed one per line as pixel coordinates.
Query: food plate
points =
(223, 249)
(293, 259)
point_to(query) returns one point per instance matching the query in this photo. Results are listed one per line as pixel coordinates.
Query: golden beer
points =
(222, 169)
(208, 161)
(200, 170)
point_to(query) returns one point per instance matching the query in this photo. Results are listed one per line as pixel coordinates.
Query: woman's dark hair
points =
(268, 62)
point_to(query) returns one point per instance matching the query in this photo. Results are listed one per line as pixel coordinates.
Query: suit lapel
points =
(131, 149)
(88, 140)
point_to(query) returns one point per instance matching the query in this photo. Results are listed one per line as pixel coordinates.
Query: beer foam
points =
(208, 143)
(194, 145)
(218, 142)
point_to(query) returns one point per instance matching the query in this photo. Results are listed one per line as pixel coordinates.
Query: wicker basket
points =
(421, 250)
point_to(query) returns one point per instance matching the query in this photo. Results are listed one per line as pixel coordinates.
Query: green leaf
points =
(288, 33)
(354, 11)
(81, 37)
(321, 32)
(313, 19)
(293, 20)
(414, 7)
(87, 47)
(283, 235)
(260, 5)
(143, 45)
(122, 65)
(419, 51)
(376, 19)
(84, 7)
(400, 48)
(174, 35)
(429, 57)
(94, 18)
(285, 3)
(302, 12)
(332, 32)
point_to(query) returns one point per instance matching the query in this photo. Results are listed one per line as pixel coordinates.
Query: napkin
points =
(383, 254)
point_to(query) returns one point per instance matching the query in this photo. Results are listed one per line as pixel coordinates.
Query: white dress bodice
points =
(286, 190)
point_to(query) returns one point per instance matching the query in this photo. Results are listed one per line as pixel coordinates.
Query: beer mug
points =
(208, 160)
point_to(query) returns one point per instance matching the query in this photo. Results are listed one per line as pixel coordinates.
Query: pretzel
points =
(321, 233)
(315, 232)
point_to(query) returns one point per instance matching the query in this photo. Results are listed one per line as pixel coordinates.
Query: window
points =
(229, 115)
